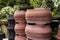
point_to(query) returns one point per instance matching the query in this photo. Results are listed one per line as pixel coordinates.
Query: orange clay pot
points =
(20, 28)
(38, 31)
(19, 16)
(38, 15)
(20, 38)
(58, 34)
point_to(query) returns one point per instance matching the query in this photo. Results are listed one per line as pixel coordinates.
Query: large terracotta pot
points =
(20, 38)
(38, 15)
(19, 16)
(58, 34)
(20, 29)
(38, 31)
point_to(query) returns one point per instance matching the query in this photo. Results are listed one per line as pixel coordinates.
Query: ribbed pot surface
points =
(20, 38)
(19, 16)
(38, 15)
(20, 28)
(38, 32)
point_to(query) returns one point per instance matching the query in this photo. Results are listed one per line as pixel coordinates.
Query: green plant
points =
(19, 1)
(58, 10)
(36, 3)
(4, 12)
(16, 7)
(50, 4)
(4, 3)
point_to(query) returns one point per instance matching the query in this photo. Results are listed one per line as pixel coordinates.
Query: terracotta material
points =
(20, 38)
(38, 31)
(20, 28)
(39, 39)
(58, 34)
(19, 16)
(38, 15)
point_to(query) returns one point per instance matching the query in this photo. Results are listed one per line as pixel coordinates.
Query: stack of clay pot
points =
(58, 34)
(19, 17)
(38, 27)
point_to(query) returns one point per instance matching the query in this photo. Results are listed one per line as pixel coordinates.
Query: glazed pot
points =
(20, 28)
(11, 25)
(58, 34)
(38, 31)
(20, 38)
(38, 15)
(19, 16)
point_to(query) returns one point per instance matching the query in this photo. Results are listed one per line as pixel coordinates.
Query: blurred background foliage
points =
(26, 4)
(8, 7)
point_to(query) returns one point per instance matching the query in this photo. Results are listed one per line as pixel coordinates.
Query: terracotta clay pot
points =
(58, 34)
(20, 38)
(38, 15)
(38, 39)
(20, 29)
(19, 16)
(38, 31)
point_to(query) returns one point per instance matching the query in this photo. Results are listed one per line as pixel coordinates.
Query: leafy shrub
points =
(19, 1)
(7, 11)
(50, 4)
(36, 3)
(4, 3)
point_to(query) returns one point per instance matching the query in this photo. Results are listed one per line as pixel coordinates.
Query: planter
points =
(20, 28)
(38, 31)
(38, 15)
(19, 16)
(11, 22)
(11, 25)
(11, 34)
(20, 38)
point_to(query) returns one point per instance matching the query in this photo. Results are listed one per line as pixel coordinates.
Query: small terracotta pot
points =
(20, 28)
(58, 34)
(38, 15)
(38, 31)
(20, 38)
(19, 16)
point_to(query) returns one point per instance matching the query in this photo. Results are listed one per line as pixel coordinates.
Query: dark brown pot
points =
(20, 38)
(38, 31)
(38, 15)
(20, 28)
(58, 34)
(19, 16)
